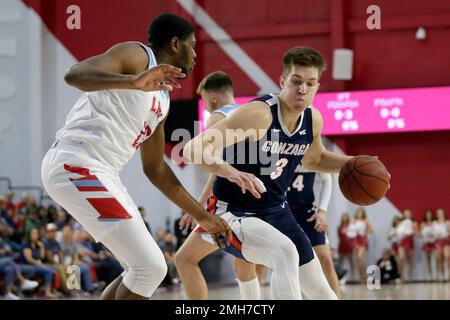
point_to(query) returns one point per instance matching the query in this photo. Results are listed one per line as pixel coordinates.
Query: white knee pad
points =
(145, 277)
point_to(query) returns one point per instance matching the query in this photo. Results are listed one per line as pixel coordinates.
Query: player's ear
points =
(214, 97)
(175, 44)
(281, 81)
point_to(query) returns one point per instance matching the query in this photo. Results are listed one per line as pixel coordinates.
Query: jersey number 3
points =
(279, 167)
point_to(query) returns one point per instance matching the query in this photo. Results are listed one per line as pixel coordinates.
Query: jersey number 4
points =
(298, 183)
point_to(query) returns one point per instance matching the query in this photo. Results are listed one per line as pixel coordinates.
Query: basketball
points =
(364, 180)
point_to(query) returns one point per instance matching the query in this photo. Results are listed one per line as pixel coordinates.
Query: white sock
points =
(249, 289)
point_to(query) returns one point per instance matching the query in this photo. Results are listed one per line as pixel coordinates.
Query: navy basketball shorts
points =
(301, 215)
(278, 216)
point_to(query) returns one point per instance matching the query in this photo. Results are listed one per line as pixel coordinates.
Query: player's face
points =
(299, 86)
(187, 54)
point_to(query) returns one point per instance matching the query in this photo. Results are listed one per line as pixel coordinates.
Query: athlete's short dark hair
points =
(217, 80)
(166, 26)
(304, 56)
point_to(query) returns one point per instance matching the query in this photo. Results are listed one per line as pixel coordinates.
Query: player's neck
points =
(225, 101)
(290, 117)
(161, 56)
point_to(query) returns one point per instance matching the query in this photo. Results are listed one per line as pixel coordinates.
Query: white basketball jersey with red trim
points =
(110, 125)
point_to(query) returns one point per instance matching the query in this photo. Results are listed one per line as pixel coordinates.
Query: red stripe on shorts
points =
(235, 242)
(87, 178)
(211, 209)
(109, 208)
(79, 170)
(85, 188)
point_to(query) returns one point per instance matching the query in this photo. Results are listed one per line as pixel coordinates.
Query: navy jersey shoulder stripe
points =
(270, 99)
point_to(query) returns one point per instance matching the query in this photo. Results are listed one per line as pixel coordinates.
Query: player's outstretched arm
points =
(207, 190)
(124, 66)
(162, 176)
(317, 158)
(249, 121)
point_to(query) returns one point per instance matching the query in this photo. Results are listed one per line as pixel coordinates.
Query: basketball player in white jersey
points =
(123, 109)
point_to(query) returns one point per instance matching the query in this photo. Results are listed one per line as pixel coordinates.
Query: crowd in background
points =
(396, 263)
(44, 252)
(42, 247)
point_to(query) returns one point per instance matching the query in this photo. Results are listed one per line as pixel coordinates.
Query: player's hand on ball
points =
(218, 229)
(187, 222)
(161, 77)
(247, 181)
(320, 218)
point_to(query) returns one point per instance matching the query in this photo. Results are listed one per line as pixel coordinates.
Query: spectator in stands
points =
(2, 206)
(43, 216)
(32, 222)
(338, 266)
(62, 218)
(33, 253)
(442, 232)
(30, 204)
(11, 271)
(406, 231)
(345, 247)
(54, 256)
(147, 225)
(72, 257)
(393, 235)
(160, 237)
(23, 202)
(361, 243)
(428, 241)
(107, 267)
(180, 234)
(9, 201)
(52, 214)
(168, 248)
(388, 267)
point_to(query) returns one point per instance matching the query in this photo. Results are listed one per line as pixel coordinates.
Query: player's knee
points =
(244, 271)
(151, 269)
(288, 249)
(182, 260)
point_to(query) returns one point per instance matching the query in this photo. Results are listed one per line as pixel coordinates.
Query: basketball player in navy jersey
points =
(311, 216)
(272, 134)
(123, 109)
(216, 89)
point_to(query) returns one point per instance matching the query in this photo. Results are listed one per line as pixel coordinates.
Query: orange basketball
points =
(364, 180)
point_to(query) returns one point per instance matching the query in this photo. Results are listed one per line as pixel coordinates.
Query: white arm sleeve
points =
(325, 190)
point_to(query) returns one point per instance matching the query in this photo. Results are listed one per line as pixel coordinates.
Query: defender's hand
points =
(320, 217)
(218, 229)
(161, 77)
(187, 222)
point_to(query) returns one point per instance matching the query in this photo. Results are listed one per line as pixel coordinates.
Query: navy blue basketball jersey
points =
(301, 190)
(272, 159)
